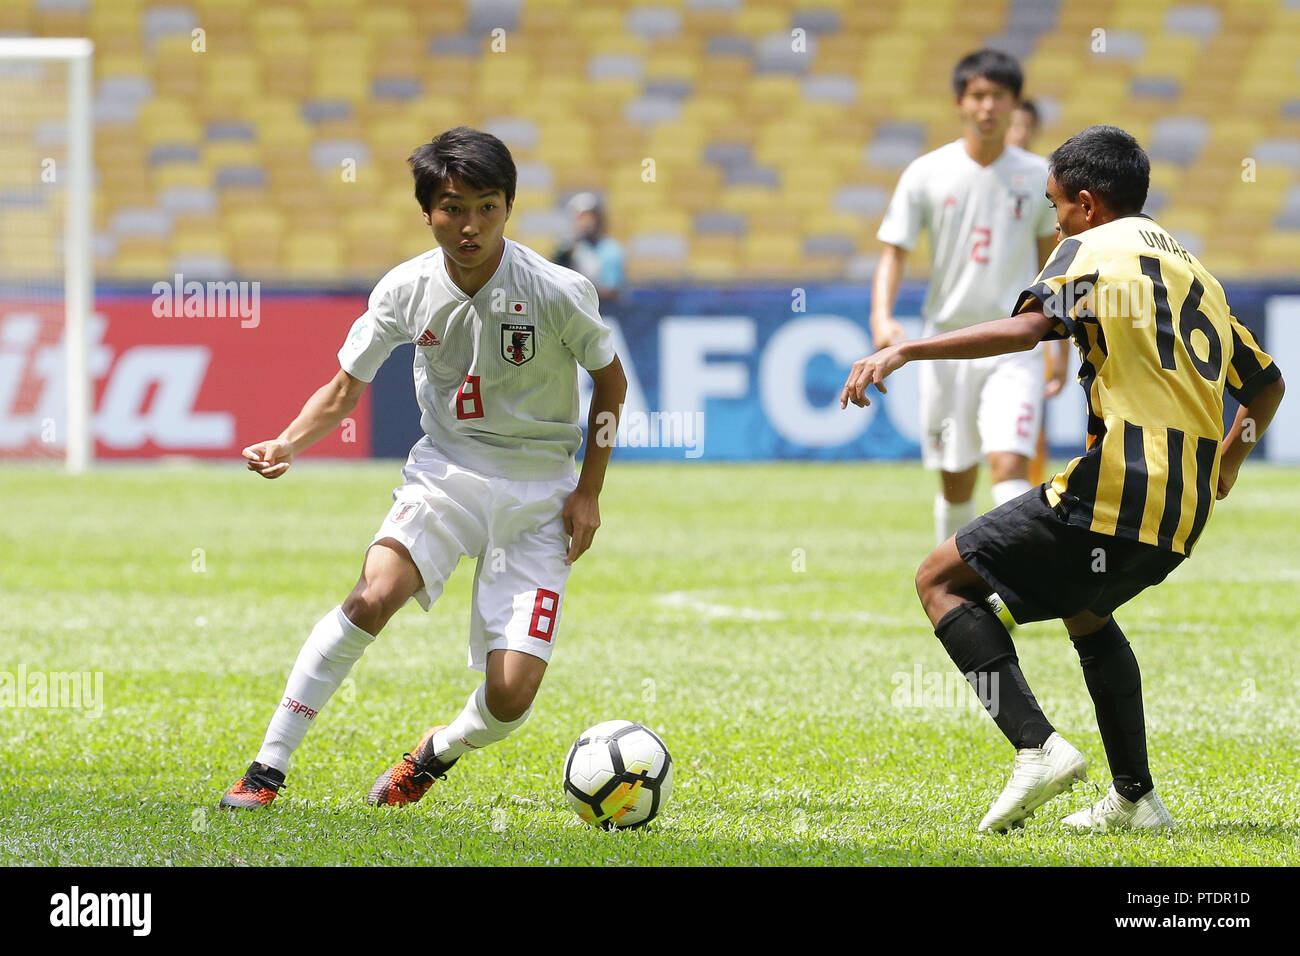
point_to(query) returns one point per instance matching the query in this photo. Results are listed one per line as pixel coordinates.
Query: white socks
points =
(1004, 491)
(950, 517)
(474, 728)
(334, 646)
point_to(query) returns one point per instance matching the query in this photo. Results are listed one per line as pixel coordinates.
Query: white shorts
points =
(973, 407)
(443, 512)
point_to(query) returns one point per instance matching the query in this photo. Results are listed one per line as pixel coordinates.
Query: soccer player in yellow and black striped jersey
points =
(1159, 347)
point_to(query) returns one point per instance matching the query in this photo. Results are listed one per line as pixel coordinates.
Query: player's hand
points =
(1227, 478)
(1055, 384)
(871, 370)
(270, 459)
(581, 519)
(886, 333)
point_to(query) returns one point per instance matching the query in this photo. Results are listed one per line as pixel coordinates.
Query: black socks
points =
(1115, 684)
(982, 650)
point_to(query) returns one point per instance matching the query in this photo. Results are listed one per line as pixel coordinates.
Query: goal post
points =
(28, 137)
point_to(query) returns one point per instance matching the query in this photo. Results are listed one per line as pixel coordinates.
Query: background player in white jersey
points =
(1024, 127)
(498, 332)
(990, 231)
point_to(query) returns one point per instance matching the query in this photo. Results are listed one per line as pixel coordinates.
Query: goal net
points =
(46, 286)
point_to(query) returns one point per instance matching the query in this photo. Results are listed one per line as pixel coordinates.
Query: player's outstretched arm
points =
(328, 406)
(1019, 333)
(885, 329)
(1249, 426)
(582, 507)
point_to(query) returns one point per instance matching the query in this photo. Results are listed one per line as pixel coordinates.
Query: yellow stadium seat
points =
(383, 24)
(678, 66)
(661, 219)
(180, 174)
(1181, 221)
(1279, 251)
(17, 19)
(314, 255)
(255, 222)
(712, 268)
(746, 198)
(206, 241)
(232, 75)
(140, 259)
(109, 19)
(598, 21)
(758, 20)
(372, 222)
(1146, 17)
(271, 21)
(929, 16)
(231, 153)
(266, 58)
(1262, 197)
(709, 112)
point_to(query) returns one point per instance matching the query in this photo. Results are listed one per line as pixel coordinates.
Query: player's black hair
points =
(1030, 107)
(1107, 162)
(478, 159)
(992, 65)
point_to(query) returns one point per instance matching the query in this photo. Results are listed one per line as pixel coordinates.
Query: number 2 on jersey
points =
(980, 247)
(1025, 420)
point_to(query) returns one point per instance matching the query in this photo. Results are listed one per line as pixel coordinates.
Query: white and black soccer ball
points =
(618, 775)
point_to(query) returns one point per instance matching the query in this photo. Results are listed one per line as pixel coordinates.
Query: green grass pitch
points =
(761, 618)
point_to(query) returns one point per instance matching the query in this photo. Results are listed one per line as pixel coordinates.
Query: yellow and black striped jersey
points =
(1158, 347)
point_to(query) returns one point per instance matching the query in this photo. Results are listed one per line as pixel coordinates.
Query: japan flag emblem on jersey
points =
(517, 343)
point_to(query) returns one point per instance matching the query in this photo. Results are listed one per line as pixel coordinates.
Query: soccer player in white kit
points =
(991, 228)
(499, 332)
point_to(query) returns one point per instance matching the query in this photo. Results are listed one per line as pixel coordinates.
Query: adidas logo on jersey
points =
(427, 338)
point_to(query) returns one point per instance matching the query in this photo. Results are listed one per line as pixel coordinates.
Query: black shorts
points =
(1044, 568)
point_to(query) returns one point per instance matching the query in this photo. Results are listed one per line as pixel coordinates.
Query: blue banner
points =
(755, 373)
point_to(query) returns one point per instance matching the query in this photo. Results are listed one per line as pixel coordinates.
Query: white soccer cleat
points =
(1040, 773)
(1114, 812)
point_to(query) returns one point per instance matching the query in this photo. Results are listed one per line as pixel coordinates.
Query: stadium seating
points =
(733, 141)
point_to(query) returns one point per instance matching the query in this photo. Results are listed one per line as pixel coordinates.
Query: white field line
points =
(693, 602)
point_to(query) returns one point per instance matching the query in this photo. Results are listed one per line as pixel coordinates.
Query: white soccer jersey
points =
(984, 223)
(496, 372)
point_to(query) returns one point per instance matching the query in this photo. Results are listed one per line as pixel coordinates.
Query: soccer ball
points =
(618, 775)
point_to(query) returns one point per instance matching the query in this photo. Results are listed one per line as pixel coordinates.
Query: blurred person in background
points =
(592, 252)
(1024, 127)
(990, 228)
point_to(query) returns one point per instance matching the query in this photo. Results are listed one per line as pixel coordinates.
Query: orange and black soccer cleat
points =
(410, 779)
(254, 790)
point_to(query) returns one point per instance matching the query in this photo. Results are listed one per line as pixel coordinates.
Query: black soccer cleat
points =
(254, 790)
